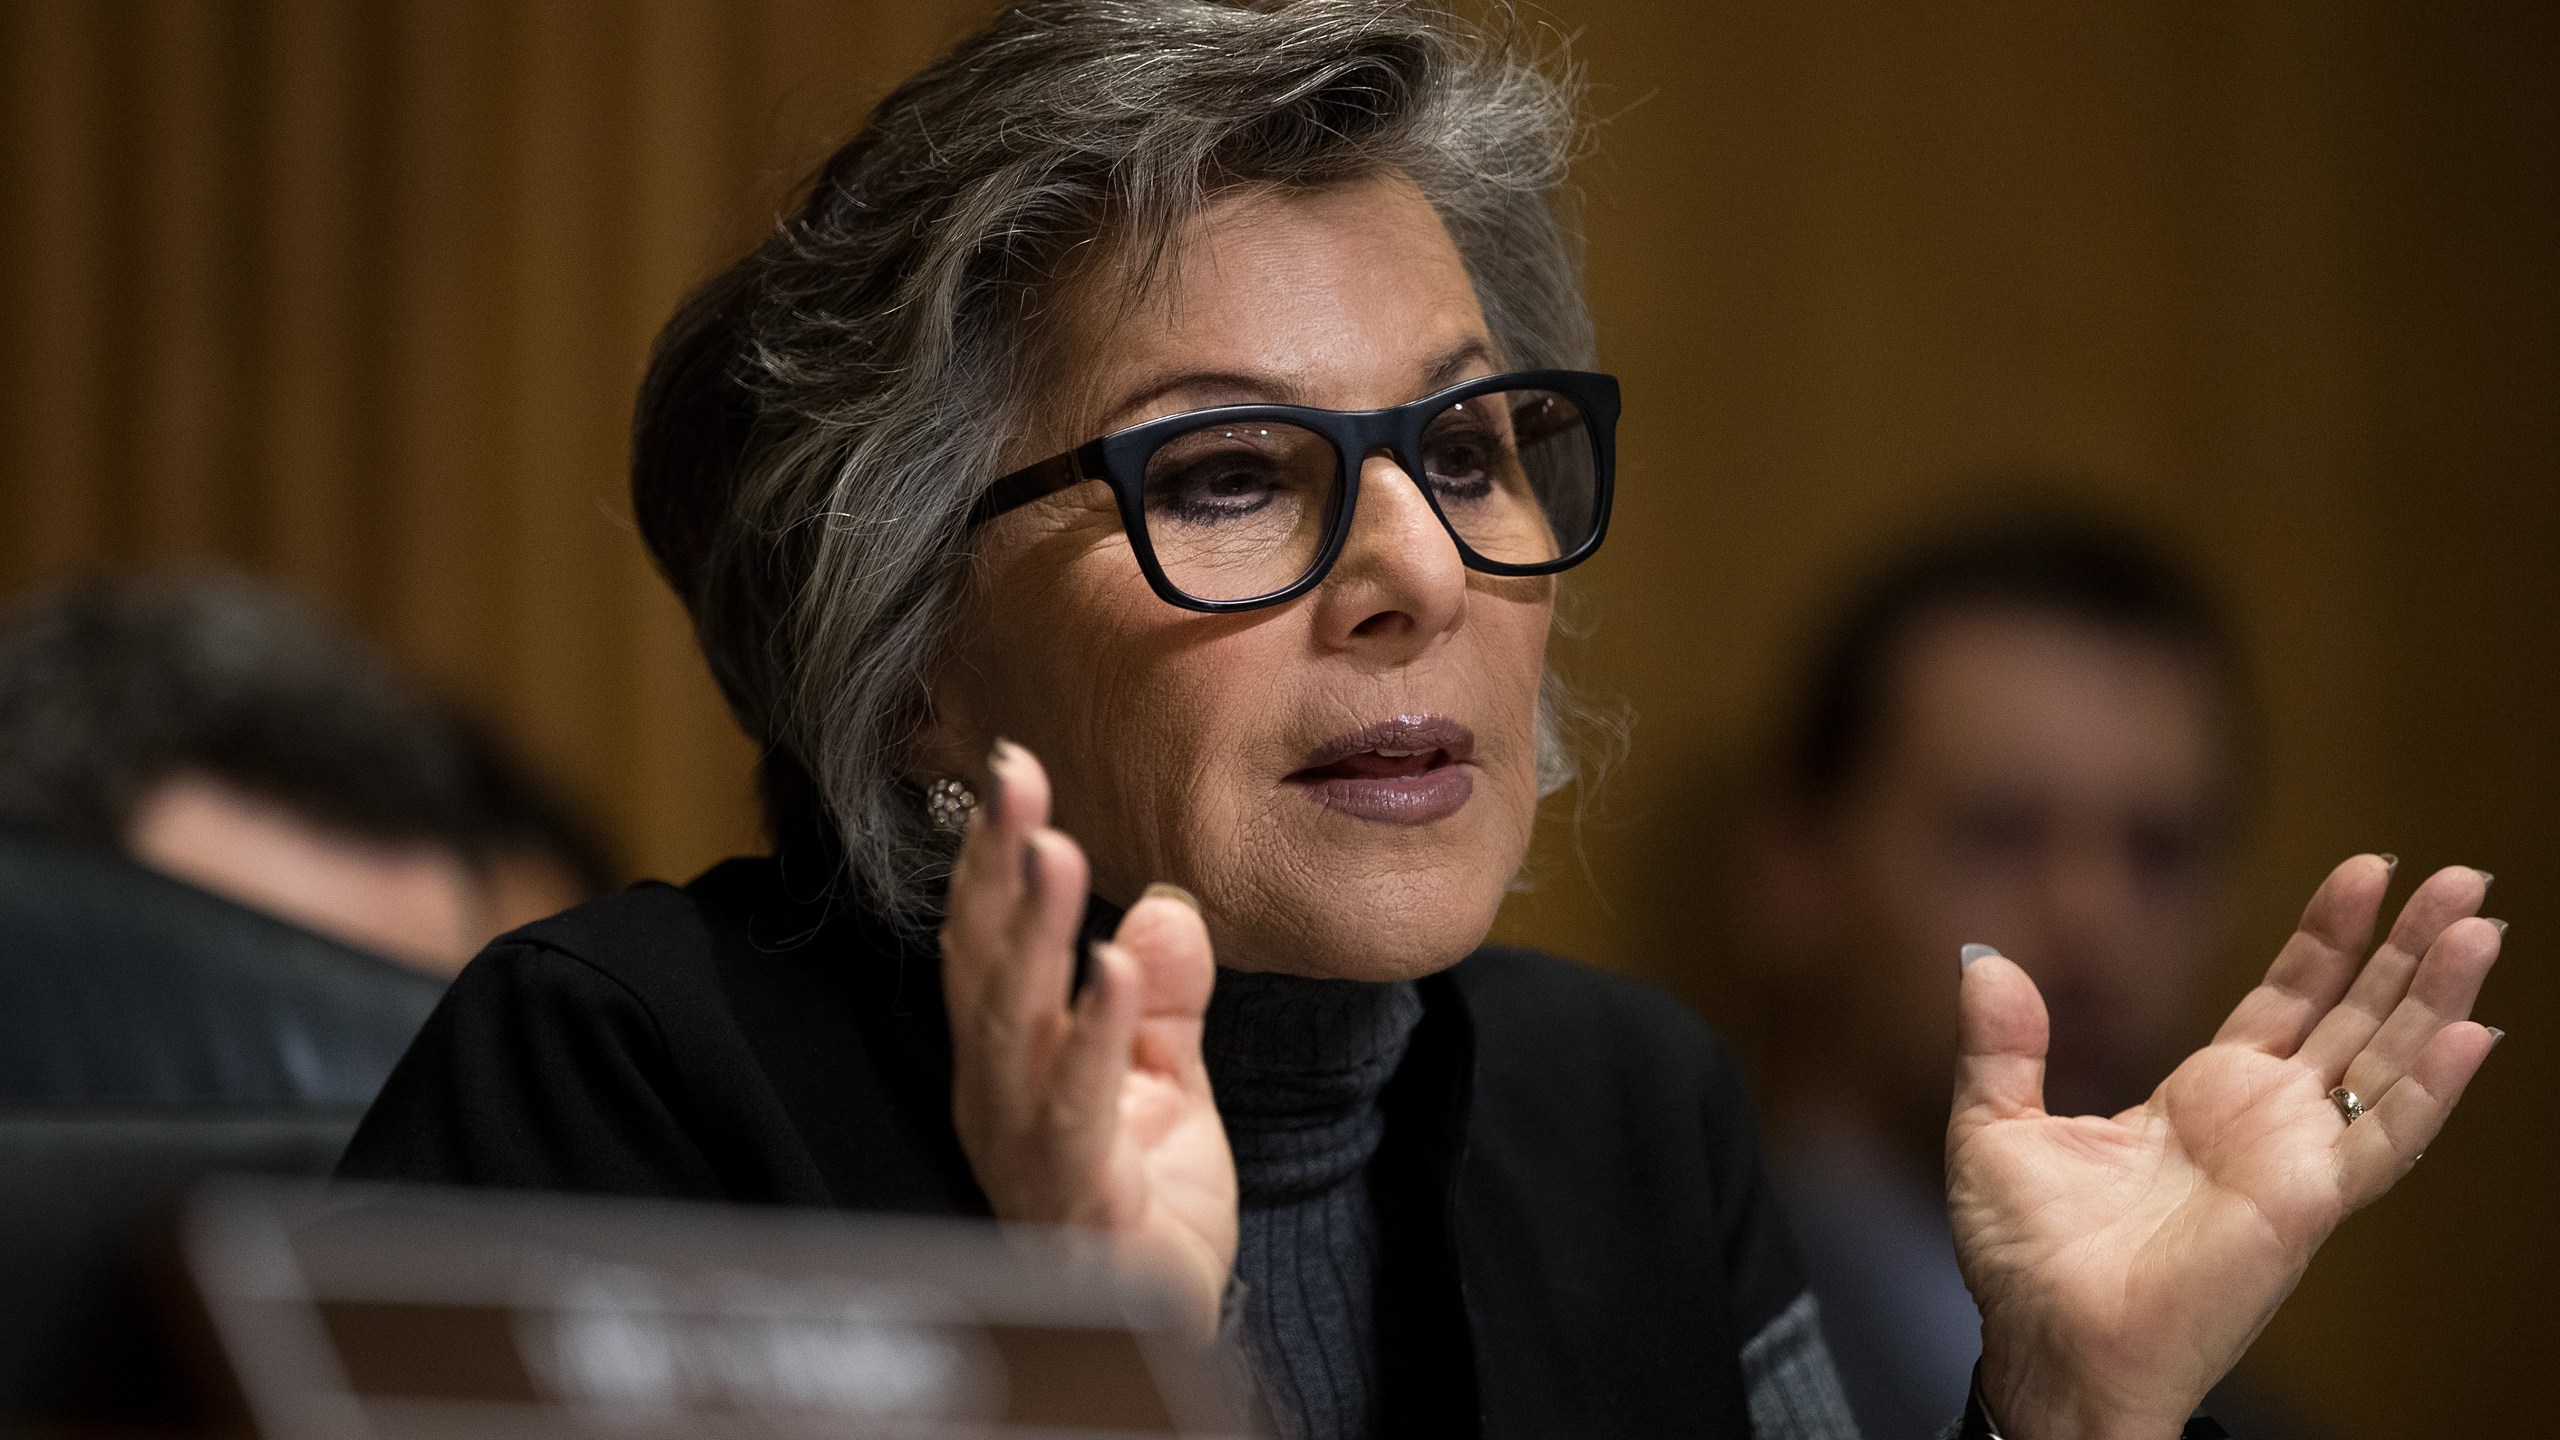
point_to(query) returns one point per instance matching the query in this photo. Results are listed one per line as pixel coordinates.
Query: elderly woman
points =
(1136, 475)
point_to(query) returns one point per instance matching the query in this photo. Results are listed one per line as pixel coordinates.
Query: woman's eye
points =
(1461, 463)
(1203, 492)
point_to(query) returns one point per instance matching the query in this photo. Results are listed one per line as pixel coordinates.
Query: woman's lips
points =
(1411, 770)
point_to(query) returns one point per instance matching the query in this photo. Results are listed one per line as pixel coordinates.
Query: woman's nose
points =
(1400, 579)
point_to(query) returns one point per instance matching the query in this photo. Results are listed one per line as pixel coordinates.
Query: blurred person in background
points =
(224, 734)
(2027, 728)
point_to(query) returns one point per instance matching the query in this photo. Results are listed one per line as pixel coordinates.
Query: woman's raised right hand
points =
(1092, 1111)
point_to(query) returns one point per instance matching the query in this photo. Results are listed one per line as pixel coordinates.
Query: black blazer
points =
(1578, 1235)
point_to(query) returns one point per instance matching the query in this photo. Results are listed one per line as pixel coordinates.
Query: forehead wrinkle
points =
(1206, 388)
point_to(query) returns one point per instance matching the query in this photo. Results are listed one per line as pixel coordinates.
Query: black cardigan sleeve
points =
(537, 1071)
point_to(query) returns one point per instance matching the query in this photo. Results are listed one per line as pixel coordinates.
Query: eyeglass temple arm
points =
(1031, 482)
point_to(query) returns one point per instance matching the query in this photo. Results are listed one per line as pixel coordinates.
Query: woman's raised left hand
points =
(2123, 1263)
(1091, 1110)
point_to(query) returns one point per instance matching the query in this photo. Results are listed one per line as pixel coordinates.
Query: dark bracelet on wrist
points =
(1977, 1423)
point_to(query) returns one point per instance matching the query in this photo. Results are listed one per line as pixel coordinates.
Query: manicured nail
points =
(1971, 953)
(1162, 890)
(2502, 926)
(2486, 879)
(2496, 1036)
(2390, 866)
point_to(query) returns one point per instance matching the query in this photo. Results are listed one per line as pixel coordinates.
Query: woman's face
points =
(1347, 781)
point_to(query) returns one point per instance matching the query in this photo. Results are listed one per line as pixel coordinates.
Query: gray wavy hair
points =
(818, 418)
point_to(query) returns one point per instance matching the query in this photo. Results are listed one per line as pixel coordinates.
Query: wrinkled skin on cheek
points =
(1167, 744)
(1171, 735)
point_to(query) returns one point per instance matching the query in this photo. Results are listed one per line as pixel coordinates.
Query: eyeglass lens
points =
(1240, 510)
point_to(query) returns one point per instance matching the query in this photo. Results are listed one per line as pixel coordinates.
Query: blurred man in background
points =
(222, 734)
(2025, 730)
(221, 819)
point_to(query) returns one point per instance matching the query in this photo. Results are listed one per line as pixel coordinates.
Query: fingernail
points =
(2486, 879)
(1971, 953)
(2502, 926)
(1161, 890)
(2496, 1035)
(2390, 866)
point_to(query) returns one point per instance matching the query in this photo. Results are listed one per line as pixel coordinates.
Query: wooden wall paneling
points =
(444, 392)
(568, 392)
(688, 795)
(309, 460)
(186, 379)
(56, 101)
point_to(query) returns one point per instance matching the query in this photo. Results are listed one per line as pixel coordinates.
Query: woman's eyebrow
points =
(1456, 361)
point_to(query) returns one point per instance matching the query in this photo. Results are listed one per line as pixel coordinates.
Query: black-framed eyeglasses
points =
(1249, 505)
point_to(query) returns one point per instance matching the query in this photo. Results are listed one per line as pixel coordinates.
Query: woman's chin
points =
(1368, 969)
(1323, 893)
(1350, 935)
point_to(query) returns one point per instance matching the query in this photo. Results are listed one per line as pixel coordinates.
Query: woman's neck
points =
(1299, 1067)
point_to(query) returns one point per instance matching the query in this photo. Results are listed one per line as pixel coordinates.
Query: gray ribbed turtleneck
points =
(1299, 1067)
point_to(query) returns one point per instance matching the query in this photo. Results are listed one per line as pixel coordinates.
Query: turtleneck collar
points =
(1299, 1067)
